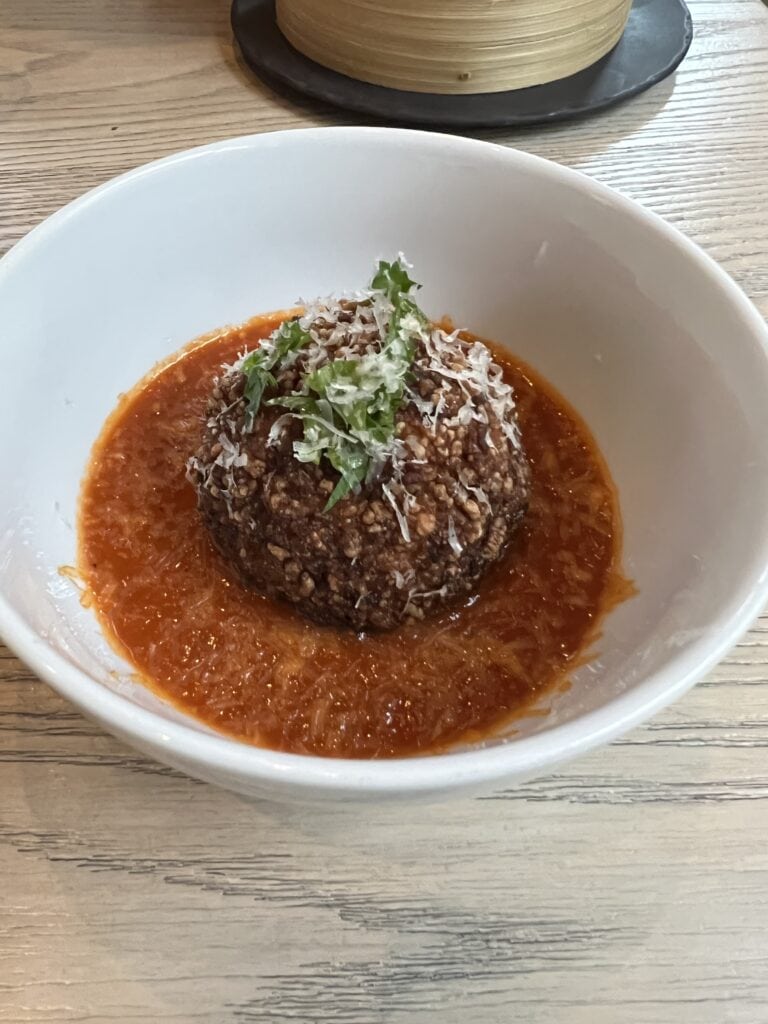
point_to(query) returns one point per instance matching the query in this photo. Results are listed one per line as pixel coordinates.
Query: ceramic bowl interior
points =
(653, 345)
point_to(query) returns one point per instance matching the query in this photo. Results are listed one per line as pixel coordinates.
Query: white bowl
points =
(653, 344)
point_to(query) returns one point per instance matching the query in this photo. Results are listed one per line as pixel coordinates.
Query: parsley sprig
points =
(259, 364)
(347, 407)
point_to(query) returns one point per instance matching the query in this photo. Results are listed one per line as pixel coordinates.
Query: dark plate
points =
(656, 39)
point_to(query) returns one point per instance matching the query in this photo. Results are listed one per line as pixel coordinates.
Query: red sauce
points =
(257, 670)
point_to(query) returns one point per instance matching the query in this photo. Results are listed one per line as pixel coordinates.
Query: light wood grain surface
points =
(631, 888)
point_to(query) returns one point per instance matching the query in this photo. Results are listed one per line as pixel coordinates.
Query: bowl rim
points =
(428, 773)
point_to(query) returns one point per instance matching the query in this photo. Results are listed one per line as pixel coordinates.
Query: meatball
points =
(434, 512)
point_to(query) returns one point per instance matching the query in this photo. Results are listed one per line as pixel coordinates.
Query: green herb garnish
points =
(258, 365)
(347, 407)
(392, 279)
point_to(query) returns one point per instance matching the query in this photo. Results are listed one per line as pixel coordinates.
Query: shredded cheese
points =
(350, 332)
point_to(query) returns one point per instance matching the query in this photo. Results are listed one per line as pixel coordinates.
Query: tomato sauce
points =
(257, 670)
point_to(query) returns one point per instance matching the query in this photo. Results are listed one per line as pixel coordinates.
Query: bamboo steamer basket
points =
(454, 46)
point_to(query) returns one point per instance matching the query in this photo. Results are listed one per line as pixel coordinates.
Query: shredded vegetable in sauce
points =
(260, 672)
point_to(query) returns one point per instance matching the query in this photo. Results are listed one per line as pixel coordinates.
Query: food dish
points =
(449, 46)
(361, 463)
(657, 38)
(653, 344)
(442, 514)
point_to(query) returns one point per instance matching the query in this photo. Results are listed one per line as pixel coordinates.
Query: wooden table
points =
(631, 888)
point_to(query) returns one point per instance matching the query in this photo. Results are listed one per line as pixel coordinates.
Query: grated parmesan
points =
(351, 328)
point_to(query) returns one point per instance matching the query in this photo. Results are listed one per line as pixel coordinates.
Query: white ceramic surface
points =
(650, 341)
